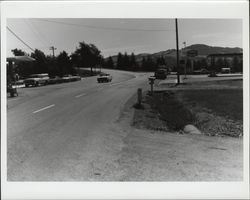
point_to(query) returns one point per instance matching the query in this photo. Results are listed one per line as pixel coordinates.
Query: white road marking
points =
(80, 95)
(12, 99)
(47, 107)
(119, 83)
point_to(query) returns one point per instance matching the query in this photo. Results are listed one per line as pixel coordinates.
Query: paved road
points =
(81, 131)
(59, 132)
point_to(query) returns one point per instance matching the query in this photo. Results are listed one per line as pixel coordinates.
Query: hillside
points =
(170, 54)
(206, 50)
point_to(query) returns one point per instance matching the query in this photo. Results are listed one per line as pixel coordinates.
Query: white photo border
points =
(125, 190)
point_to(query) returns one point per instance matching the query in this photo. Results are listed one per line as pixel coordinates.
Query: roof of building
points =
(20, 59)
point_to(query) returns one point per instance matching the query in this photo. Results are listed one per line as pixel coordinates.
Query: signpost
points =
(191, 54)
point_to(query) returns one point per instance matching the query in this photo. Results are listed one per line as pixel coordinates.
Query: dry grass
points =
(214, 111)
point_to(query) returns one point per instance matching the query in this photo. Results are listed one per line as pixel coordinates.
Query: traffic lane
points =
(69, 140)
(22, 113)
(32, 93)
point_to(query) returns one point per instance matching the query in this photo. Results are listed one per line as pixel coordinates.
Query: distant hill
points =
(170, 54)
(206, 50)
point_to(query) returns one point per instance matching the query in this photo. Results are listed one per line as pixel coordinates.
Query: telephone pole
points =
(177, 52)
(53, 50)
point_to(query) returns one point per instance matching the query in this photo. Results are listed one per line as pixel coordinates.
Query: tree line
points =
(85, 56)
(89, 56)
(130, 63)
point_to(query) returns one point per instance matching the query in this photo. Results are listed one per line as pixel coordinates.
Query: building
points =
(234, 61)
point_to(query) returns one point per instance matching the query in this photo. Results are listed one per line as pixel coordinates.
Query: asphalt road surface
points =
(59, 132)
(81, 131)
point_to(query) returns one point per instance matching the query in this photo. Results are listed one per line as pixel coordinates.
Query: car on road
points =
(104, 78)
(36, 80)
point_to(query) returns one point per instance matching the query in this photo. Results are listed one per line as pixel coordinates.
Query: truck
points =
(161, 74)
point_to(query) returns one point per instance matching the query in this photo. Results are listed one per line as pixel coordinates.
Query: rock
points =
(191, 129)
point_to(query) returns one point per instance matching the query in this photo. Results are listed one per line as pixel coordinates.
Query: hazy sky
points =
(121, 35)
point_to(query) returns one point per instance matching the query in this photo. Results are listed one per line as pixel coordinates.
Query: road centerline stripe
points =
(47, 107)
(77, 96)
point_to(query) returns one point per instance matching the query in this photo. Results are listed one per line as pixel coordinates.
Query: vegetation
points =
(85, 56)
(89, 56)
(211, 108)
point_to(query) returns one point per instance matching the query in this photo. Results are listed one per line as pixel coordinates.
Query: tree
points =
(235, 64)
(219, 64)
(241, 65)
(148, 64)
(64, 64)
(119, 63)
(160, 61)
(40, 63)
(197, 65)
(20, 68)
(87, 55)
(204, 63)
(18, 52)
(132, 62)
(110, 63)
(126, 61)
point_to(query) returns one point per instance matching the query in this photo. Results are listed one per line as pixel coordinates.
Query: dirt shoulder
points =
(164, 155)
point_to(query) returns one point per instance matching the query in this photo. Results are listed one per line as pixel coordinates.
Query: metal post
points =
(177, 52)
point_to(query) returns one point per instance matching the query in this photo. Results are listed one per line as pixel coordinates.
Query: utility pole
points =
(177, 52)
(184, 43)
(53, 50)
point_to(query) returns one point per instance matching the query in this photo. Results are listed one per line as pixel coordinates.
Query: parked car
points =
(55, 80)
(67, 78)
(104, 78)
(225, 70)
(161, 74)
(201, 71)
(212, 74)
(37, 80)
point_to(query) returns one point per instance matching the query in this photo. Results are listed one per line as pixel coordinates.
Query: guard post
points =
(139, 96)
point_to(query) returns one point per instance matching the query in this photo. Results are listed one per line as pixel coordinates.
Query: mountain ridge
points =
(203, 50)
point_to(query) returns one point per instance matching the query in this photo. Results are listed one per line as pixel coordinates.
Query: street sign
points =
(192, 53)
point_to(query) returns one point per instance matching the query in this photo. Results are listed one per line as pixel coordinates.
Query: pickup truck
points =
(161, 74)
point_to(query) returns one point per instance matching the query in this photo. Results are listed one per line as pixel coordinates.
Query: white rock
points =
(191, 129)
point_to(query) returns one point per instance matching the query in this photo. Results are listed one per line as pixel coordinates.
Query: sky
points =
(120, 35)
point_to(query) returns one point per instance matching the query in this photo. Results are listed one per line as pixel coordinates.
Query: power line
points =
(20, 39)
(33, 31)
(40, 33)
(105, 28)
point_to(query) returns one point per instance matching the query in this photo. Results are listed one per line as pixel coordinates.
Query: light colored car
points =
(69, 78)
(104, 78)
(37, 80)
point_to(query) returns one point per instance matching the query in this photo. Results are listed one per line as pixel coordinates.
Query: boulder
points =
(191, 129)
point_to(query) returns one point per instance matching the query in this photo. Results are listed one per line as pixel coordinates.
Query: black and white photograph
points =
(124, 99)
